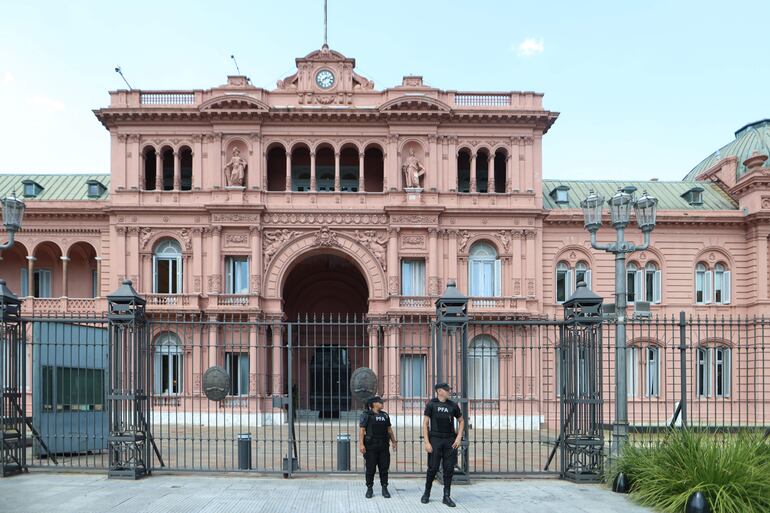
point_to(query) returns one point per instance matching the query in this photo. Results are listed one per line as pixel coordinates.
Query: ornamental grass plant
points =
(731, 470)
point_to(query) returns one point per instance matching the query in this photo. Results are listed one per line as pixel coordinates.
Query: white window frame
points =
(583, 268)
(168, 355)
(167, 252)
(652, 294)
(562, 268)
(722, 371)
(652, 371)
(700, 283)
(41, 282)
(632, 283)
(413, 375)
(484, 271)
(237, 274)
(237, 365)
(632, 371)
(413, 277)
(713, 284)
(703, 371)
(483, 368)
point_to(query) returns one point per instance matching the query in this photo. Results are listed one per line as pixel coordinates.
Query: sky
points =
(645, 89)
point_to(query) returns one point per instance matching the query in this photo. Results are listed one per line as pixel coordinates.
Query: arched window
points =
(168, 367)
(483, 368)
(374, 169)
(484, 271)
(149, 169)
(464, 171)
(186, 168)
(643, 362)
(582, 273)
(167, 267)
(563, 281)
(167, 168)
(713, 371)
(633, 283)
(276, 168)
(712, 285)
(652, 283)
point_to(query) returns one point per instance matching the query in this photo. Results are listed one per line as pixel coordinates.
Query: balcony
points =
(476, 305)
(172, 301)
(233, 302)
(63, 305)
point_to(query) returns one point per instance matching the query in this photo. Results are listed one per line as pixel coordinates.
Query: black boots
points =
(426, 496)
(369, 492)
(385, 492)
(447, 499)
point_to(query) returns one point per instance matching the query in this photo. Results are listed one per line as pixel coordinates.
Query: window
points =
(412, 277)
(632, 283)
(95, 189)
(72, 389)
(237, 365)
(652, 283)
(94, 283)
(24, 280)
(632, 371)
(652, 379)
(560, 194)
(42, 283)
(413, 375)
(568, 278)
(712, 286)
(483, 368)
(168, 364)
(694, 196)
(237, 275)
(484, 271)
(31, 189)
(167, 267)
(714, 371)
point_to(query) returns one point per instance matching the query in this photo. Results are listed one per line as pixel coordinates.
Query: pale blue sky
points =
(645, 88)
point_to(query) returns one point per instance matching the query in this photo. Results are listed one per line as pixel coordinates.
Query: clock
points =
(324, 79)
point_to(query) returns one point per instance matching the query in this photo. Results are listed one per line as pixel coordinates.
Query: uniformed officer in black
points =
(441, 439)
(374, 431)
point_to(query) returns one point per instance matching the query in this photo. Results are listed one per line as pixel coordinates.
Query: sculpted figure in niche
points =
(375, 244)
(235, 170)
(413, 171)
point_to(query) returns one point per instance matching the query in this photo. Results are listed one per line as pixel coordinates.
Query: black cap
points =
(373, 399)
(444, 386)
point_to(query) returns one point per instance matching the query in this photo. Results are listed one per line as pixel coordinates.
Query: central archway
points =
(325, 298)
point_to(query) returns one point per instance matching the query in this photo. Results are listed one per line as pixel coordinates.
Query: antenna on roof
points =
(325, 25)
(120, 72)
(236, 64)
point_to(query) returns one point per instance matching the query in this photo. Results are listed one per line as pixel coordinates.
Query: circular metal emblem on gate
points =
(363, 383)
(216, 383)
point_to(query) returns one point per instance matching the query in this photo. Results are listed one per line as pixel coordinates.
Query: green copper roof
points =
(55, 186)
(669, 194)
(752, 137)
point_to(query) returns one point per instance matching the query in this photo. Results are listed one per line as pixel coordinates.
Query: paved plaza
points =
(93, 493)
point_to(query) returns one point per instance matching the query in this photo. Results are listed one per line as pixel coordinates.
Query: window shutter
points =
(179, 274)
(498, 277)
(24, 282)
(726, 282)
(657, 283)
(708, 287)
(570, 288)
(230, 284)
(588, 278)
(726, 371)
(638, 285)
(243, 374)
(154, 274)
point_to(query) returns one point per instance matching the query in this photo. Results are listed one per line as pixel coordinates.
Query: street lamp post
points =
(620, 205)
(13, 211)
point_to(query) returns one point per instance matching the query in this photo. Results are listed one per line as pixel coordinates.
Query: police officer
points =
(374, 431)
(441, 439)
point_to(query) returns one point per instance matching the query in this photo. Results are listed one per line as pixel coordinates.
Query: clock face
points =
(324, 79)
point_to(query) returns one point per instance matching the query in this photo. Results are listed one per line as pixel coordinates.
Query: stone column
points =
(452, 273)
(433, 257)
(99, 276)
(213, 335)
(336, 171)
(361, 184)
(452, 151)
(313, 186)
(64, 261)
(262, 357)
(393, 267)
(253, 357)
(491, 173)
(288, 171)
(391, 363)
(473, 172)
(30, 275)
(158, 170)
(515, 167)
(508, 177)
(216, 264)
(277, 377)
(374, 347)
(177, 171)
(516, 267)
(255, 269)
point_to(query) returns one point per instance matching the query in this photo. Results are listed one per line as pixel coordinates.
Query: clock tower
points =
(326, 77)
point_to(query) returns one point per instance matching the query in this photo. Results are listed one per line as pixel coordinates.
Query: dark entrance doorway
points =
(325, 297)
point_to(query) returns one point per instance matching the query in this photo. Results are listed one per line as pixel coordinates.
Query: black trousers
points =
(443, 454)
(377, 456)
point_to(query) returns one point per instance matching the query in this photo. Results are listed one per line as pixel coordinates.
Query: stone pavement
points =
(40, 492)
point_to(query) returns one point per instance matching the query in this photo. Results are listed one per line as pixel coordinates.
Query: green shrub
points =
(733, 472)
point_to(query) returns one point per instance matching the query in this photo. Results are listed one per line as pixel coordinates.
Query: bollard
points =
(343, 452)
(244, 451)
(697, 503)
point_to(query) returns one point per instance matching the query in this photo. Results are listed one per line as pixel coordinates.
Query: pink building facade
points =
(326, 195)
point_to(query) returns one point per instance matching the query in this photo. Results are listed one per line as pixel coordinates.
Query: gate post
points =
(582, 433)
(451, 337)
(13, 385)
(128, 405)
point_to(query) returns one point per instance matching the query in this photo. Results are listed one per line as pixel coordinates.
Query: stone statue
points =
(413, 171)
(235, 170)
